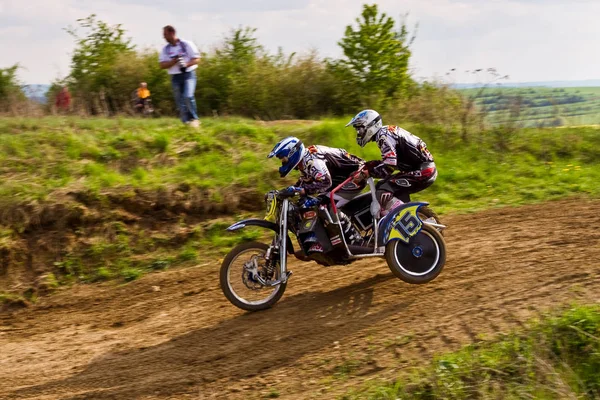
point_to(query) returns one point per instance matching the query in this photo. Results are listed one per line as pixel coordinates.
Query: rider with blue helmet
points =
(321, 168)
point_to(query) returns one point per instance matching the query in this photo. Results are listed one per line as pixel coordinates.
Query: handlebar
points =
(283, 194)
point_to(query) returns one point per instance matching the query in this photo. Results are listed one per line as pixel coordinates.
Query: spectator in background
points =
(143, 94)
(63, 100)
(180, 58)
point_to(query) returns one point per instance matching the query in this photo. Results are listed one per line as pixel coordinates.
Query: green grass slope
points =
(43, 159)
(95, 199)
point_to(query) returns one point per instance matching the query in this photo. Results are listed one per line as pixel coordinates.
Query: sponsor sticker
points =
(336, 240)
(316, 248)
(310, 215)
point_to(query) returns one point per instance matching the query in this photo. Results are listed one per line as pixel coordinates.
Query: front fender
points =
(402, 223)
(263, 224)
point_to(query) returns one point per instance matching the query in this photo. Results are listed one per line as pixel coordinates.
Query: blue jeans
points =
(184, 86)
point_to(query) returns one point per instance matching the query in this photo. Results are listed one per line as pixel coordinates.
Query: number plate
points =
(271, 209)
(406, 224)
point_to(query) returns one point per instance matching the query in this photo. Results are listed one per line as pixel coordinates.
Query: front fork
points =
(283, 220)
(375, 210)
(281, 242)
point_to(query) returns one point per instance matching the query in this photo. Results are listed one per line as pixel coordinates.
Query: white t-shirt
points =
(188, 50)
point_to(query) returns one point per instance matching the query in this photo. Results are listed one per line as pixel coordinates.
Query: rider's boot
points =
(388, 202)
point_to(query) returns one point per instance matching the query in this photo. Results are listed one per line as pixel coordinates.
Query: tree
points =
(8, 82)
(218, 70)
(376, 54)
(93, 63)
(241, 46)
(10, 89)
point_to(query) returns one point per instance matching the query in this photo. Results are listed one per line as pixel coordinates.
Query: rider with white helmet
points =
(406, 166)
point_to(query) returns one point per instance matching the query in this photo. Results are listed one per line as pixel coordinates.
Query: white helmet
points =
(366, 123)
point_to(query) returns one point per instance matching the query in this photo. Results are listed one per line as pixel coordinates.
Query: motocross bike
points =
(144, 108)
(254, 275)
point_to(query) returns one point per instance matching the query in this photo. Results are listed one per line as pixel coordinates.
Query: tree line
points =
(240, 77)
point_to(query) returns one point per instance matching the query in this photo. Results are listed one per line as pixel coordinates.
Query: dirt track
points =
(186, 341)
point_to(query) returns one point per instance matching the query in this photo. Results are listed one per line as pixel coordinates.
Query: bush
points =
(240, 77)
(11, 95)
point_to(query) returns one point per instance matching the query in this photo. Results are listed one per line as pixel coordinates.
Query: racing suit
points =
(406, 166)
(323, 168)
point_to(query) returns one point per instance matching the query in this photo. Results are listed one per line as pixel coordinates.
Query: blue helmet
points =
(290, 151)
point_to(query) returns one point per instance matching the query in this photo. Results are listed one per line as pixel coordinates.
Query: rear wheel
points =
(421, 260)
(238, 283)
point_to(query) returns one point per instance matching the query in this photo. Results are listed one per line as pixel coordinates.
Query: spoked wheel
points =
(238, 282)
(419, 261)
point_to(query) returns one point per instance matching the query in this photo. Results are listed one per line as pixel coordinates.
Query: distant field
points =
(540, 106)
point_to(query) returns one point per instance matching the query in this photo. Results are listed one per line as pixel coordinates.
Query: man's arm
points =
(383, 168)
(165, 61)
(318, 178)
(168, 64)
(195, 54)
(193, 61)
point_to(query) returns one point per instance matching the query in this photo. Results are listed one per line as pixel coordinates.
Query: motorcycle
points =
(144, 108)
(254, 275)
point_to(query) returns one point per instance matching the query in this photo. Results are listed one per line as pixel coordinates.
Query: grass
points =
(557, 357)
(40, 156)
(11, 298)
(118, 251)
(273, 394)
(111, 181)
(42, 159)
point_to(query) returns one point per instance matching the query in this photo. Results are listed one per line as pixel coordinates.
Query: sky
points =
(528, 40)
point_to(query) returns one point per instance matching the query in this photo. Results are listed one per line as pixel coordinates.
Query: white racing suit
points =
(406, 166)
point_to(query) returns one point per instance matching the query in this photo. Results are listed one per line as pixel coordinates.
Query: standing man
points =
(180, 58)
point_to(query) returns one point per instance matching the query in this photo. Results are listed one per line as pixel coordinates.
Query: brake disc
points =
(248, 274)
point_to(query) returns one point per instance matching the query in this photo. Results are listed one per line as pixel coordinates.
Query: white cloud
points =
(527, 39)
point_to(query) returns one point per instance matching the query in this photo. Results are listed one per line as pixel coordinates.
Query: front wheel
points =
(238, 284)
(419, 261)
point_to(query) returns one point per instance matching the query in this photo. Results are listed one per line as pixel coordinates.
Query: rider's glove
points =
(310, 202)
(371, 165)
(290, 190)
